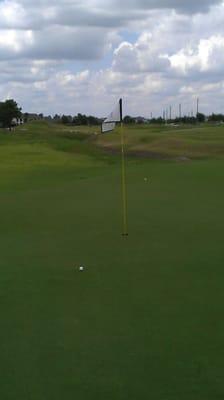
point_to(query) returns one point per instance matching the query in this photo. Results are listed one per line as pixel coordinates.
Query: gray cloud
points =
(23, 14)
(75, 30)
(190, 6)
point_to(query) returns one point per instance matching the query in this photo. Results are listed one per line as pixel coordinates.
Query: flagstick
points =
(108, 125)
(124, 186)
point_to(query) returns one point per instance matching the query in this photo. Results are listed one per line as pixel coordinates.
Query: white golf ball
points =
(81, 268)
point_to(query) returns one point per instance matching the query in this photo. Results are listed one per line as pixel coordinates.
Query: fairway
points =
(144, 320)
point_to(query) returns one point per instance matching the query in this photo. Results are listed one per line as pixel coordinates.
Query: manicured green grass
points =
(145, 319)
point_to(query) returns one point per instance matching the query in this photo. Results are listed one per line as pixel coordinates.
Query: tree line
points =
(10, 111)
(181, 120)
(82, 119)
(79, 119)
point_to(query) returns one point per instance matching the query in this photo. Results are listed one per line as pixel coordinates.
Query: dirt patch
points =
(149, 154)
(183, 159)
(137, 153)
(145, 154)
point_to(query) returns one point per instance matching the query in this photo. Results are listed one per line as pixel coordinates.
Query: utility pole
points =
(170, 113)
(180, 111)
(197, 106)
(166, 115)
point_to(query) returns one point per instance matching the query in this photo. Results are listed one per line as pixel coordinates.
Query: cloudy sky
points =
(70, 56)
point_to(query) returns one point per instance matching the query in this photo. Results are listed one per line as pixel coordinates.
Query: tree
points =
(200, 117)
(80, 119)
(66, 119)
(128, 120)
(216, 117)
(9, 110)
(159, 120)
(92, 120)
(57, 118)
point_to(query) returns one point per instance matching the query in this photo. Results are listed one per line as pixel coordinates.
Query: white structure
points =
(17, 121)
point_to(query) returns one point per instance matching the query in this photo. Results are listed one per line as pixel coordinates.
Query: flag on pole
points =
(115, 116)
(108, 125)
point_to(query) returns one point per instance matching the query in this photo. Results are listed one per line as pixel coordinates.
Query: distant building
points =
(28, 117)
(17, 121)
(141, 120)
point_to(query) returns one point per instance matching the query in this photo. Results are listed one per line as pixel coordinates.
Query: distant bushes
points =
(79, 119)
(216, 118)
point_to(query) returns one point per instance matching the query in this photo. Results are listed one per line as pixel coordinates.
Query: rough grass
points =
(145, 320)
(170, 142)
(196, 142)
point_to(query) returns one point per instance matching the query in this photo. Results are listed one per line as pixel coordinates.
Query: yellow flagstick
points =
(123, 174)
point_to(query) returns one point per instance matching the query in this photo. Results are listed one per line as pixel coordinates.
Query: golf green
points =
(144, 320)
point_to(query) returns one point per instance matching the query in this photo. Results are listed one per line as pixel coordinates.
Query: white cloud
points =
(208, 56)
(141, 56)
